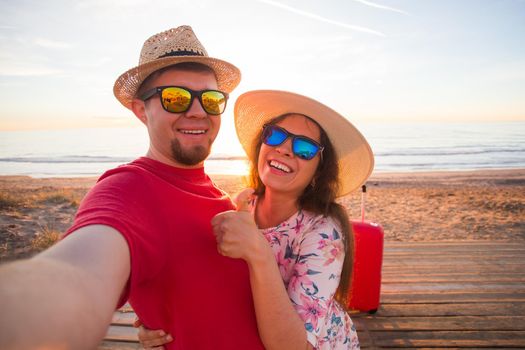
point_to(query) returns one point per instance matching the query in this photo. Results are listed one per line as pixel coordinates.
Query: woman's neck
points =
(274, 208)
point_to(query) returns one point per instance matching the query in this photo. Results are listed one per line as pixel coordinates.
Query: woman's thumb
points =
(244, 200)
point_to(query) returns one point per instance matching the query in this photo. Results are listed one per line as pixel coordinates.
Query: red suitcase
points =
(365, 289)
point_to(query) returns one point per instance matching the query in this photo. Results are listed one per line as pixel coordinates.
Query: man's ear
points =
(139, 109)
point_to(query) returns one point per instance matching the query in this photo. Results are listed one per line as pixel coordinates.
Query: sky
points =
(378, 60)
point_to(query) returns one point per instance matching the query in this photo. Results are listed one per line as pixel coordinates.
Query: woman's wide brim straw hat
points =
(170, 47)
(253, 109)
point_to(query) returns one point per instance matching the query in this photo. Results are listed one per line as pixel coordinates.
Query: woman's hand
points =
(236, 232)
(151, 339)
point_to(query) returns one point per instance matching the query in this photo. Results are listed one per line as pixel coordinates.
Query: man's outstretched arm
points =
(64, 297)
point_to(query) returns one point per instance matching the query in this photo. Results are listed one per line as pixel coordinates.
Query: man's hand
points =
(151, 339)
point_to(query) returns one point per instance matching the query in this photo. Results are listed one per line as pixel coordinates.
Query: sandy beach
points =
(434, 206)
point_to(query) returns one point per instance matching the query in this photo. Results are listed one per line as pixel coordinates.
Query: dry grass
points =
(8, 201)
(44, 239)
(58, 196)
(31, 198)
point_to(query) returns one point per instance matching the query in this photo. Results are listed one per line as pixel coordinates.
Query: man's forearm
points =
(47, 304)
(64, 298)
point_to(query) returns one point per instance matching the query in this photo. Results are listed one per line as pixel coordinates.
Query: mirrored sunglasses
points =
(178, 99)
(302, 146)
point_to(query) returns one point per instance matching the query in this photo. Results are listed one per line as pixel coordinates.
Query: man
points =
(143, 232)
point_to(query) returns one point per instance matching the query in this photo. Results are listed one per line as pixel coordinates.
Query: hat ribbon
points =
(181, 53)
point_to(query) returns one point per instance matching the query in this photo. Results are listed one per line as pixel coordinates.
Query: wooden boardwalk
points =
(434, 295)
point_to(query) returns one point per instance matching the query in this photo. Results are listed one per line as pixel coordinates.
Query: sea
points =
(398, 147)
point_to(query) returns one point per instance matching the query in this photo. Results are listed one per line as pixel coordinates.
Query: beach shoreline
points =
(411, 206)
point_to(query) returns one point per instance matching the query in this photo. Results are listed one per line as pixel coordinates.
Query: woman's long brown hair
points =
(319, 199)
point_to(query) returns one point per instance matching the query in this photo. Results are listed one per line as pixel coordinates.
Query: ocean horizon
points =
(398, 147)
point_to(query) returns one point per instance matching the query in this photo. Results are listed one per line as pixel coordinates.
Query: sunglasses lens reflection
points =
(176, 100)
(304, 148)
(273, 136)
(213, 102)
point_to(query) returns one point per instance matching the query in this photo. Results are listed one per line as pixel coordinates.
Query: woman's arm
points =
(280, 326)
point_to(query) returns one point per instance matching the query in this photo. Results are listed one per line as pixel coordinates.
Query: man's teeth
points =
(280, 166)
(193, 132)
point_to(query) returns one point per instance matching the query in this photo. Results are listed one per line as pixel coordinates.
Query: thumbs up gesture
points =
(245, 200)
(235, 230)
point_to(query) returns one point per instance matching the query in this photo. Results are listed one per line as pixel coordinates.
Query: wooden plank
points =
(122, 334)
(458, 278)
(462, 253)
(458, 252)
(496, 265)
(123, 318)
(464, 348)
(457, 272)
(452, 339)
(445, 252)
(449, 323)
(454, 251)
(452, 287)
(457, 261)
(426, 298)
(452, 273)
(495, 244)
(457, 309)
(112, 345)
(474, 269)
(437, 250)
(418, 251)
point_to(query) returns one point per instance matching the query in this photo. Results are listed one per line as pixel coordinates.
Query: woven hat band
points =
(181, 53)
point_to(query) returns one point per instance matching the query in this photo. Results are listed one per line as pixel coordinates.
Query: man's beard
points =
(192, 156)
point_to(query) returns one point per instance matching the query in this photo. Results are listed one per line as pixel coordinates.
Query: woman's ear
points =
(139, 109)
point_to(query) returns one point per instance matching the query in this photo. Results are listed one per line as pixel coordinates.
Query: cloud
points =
(19, 57)
(51, 44)
(322, 19)
(382, 7)
(21, 70)
(93, 63)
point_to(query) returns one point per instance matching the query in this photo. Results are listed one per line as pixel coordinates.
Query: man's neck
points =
(159, 157)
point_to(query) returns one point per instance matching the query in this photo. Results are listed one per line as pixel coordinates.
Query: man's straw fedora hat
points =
(170, 47)
(253, 109)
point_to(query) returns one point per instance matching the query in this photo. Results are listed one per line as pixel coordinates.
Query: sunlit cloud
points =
(51, 44)
(382, 7)
(322, 19)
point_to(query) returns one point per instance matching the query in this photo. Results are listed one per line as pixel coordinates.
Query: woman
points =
(302, 156)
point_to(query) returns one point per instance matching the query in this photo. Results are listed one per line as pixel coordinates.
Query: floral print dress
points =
(310, 253)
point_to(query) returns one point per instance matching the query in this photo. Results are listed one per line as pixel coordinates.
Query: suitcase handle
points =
(363, 200)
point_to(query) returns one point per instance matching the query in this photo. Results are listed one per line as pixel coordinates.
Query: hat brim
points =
(126, 86)
(255, 108)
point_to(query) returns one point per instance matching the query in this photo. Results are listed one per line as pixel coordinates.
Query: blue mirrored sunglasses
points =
(302, 146)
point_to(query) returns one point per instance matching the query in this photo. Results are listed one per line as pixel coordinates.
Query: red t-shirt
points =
(178, 282)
